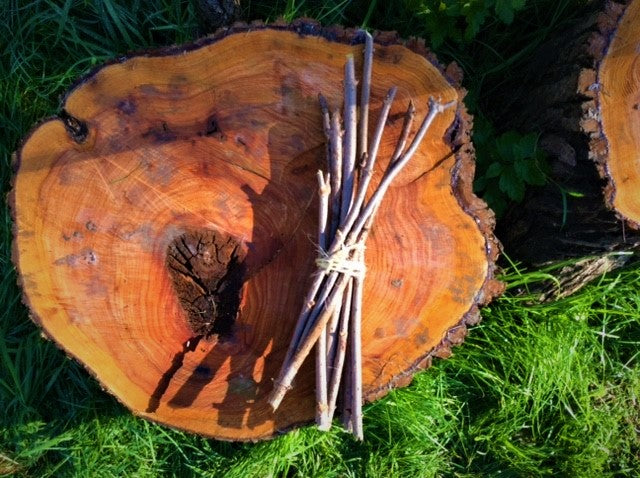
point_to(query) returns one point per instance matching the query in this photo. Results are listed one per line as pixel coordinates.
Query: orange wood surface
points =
(619, 77)
(227, 138)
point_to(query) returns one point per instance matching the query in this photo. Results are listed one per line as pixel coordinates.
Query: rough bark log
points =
(581, 90)
(165, 224)
(214, 14)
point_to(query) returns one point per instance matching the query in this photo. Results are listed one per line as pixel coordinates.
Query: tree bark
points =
(165, 224)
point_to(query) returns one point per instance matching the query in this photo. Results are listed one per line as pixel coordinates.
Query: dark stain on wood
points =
(127, 106)
(162, 134)
(212, 126)
(207, 270)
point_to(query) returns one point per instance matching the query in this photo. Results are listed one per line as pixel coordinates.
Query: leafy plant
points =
(506, 164)
(461, 20)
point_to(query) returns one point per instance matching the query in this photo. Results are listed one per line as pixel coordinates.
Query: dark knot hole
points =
(207, 271)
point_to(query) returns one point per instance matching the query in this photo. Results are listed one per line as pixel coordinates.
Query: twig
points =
(394, 169)
(354, 297)
(336, 376)
(331, 316)
(404, 135)
(355, 339)
(347, 393)
(287, 373)
(326, 123)
(332, 339)
(350, 129)
(370, 159)
(365, 92)
(335, 170)
(322, 416)
(324, 190)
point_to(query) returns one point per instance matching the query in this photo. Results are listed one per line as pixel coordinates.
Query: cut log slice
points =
(165, 225)
(581, 90)
(619, 108)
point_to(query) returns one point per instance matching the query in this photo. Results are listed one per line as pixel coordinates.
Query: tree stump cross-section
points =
(581, 92)
(165, 224)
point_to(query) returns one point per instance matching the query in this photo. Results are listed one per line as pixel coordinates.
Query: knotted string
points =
(348, 260)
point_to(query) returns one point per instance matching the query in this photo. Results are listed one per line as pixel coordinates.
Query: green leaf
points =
(521, 167)
(504, 10)
(537, 177)
(494, 170)
(526, 146)
(505, 143)
(474, 21)
(511, 184)
(527, 170)
(530, 172)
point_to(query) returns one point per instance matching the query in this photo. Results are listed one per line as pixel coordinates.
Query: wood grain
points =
(619, 101)
(223, 141)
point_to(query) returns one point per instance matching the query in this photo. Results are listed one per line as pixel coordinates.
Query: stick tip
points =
(274, 402)
(277, 394)
(391, 93)
(350, 64)
(324, 427)
(440, 107)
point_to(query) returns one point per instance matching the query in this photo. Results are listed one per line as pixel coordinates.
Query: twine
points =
(348, 260)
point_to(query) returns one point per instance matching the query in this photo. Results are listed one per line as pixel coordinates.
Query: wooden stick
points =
(336, 282)
(406, 128)
(326, 124)
(287, 374)
(332, 339)
(324, 190)
(307, 307)
(350, 137)
(349, 159)
(335, 170)
(347, 391)
(370, 159)
(355, 339)
(435, 108)
(347, 300)
(335, 297)
(322, 416)
(382, 121)
(394, 169)
(365, 92)
(353, 302)
(322, 408)
(338, 364)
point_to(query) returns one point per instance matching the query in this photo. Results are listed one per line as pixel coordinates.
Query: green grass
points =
(536, 389)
